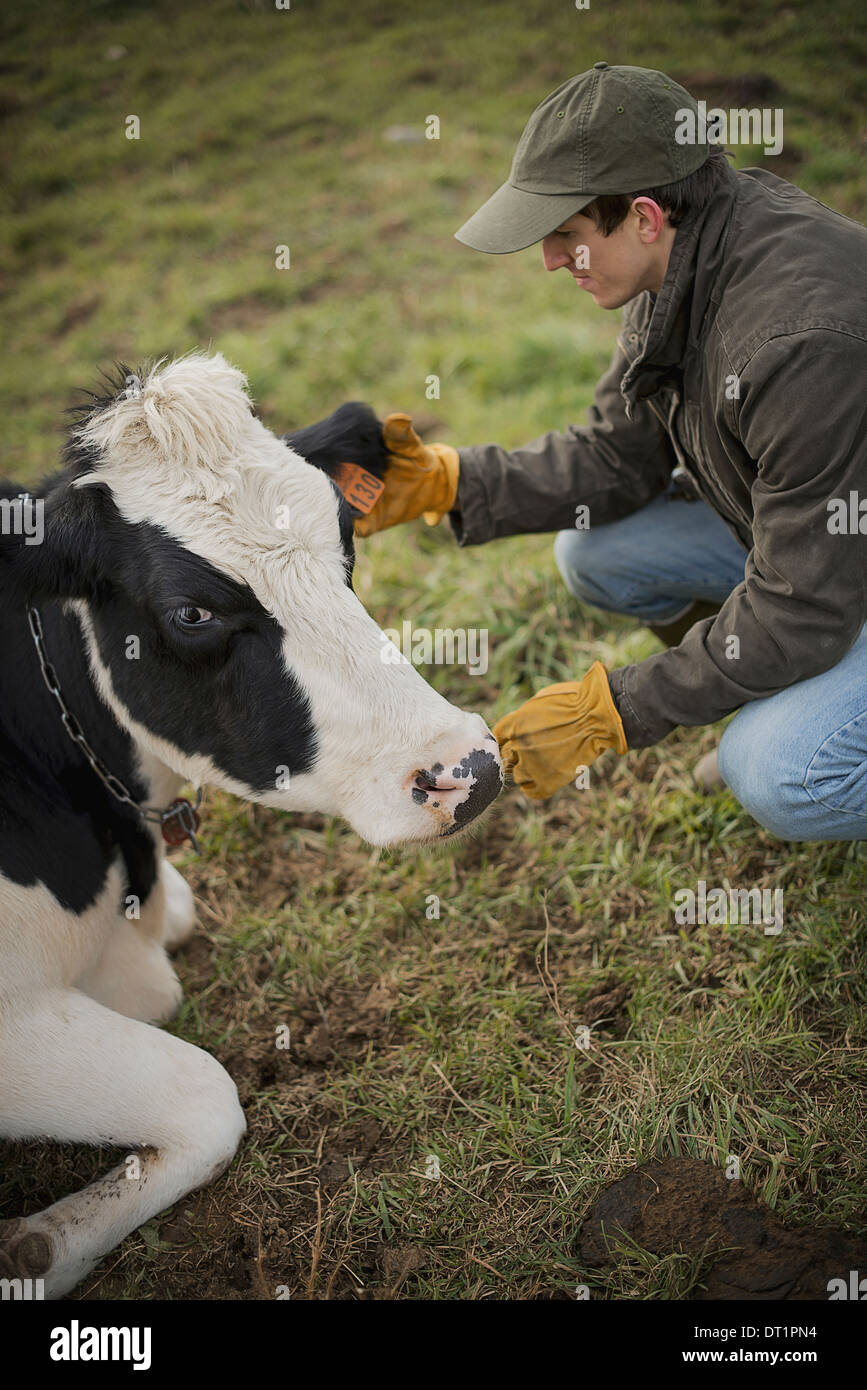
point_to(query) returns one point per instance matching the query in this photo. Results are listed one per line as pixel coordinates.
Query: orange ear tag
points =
(360, 488)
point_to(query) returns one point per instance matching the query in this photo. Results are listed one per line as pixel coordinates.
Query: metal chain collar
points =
(178, 821)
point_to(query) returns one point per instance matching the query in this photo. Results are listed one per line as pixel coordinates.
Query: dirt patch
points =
(683, 1204)
(397, 1263)
(335, 1029)
(605, 1006)
(349, 1151)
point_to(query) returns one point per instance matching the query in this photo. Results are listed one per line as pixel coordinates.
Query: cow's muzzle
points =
(457, 790)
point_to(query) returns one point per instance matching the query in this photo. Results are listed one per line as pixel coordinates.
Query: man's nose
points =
(554, 254)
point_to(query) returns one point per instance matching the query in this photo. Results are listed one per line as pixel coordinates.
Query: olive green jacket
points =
(749, 371)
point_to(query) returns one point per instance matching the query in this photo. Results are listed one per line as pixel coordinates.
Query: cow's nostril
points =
(427, 782)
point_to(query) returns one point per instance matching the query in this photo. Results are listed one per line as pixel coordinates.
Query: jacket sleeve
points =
(613, 465)
(803, 420)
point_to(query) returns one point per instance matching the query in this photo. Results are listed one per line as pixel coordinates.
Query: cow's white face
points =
(226, 635)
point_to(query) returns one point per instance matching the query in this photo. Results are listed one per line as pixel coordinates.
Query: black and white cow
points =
(187, 615)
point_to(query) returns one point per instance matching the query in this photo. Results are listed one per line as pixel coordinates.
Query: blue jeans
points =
(797, 761)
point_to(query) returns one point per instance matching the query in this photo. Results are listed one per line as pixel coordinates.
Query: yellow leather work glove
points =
(418, 478)
(563, 727)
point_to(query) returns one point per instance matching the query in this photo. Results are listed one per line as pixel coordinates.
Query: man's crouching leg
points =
(797, 761)
(667, 564)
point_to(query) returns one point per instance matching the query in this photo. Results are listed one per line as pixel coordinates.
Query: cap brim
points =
(513, 219)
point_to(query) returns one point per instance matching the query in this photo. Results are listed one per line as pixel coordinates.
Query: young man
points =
(724, 467)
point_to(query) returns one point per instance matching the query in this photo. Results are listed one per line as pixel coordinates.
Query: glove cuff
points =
(592, 707)
(447, 491)
(601, 702)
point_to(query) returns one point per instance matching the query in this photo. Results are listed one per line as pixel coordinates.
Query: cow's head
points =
(212, 568)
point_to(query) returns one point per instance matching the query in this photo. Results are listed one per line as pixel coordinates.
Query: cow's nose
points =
(458, 790)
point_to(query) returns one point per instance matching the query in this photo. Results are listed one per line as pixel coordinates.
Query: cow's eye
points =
(192, 616)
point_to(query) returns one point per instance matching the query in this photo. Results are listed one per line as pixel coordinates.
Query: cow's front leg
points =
(180, 918)
(71, 1069)
(133, 975)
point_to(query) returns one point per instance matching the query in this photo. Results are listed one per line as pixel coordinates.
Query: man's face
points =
(613, 269)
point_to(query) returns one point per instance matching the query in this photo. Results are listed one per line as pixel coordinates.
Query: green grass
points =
(262, 128)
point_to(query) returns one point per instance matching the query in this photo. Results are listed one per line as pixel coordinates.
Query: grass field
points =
(414, 1038)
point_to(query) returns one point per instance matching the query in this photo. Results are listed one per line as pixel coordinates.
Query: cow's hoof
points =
(24, 1253)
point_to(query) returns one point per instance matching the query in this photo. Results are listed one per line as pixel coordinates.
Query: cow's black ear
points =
(351, 434)
(57, 549)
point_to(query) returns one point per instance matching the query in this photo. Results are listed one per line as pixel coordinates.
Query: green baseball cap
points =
(609, 130)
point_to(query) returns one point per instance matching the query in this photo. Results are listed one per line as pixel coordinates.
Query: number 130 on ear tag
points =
(360, 488)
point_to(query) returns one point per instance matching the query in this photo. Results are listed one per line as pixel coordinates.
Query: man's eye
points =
(192, 616)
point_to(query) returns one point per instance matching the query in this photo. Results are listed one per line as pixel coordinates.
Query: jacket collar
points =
(677, 316)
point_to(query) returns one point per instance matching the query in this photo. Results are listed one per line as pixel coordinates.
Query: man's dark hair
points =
(677, 199)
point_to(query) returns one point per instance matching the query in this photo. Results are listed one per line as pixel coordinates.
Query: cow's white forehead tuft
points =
(190, 419)
(186, 453)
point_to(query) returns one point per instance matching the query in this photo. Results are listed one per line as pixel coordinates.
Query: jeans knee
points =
(836, 777)
(578, 556)
(756, 766)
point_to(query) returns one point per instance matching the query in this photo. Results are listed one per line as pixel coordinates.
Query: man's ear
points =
(349, 447)
(652, 218)
(58, 549)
